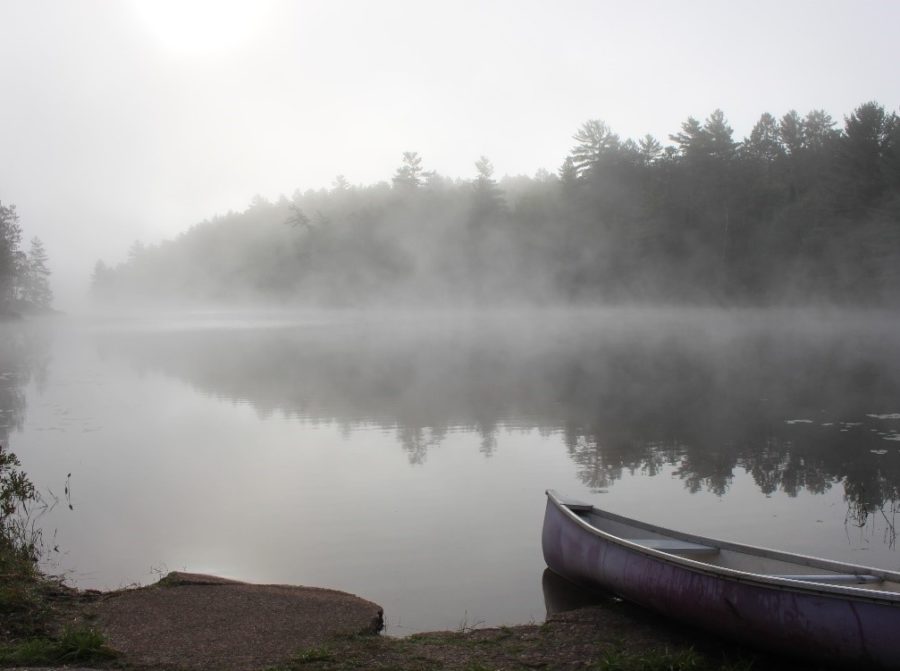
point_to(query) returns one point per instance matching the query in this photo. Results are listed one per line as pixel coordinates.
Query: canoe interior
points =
(740, 558)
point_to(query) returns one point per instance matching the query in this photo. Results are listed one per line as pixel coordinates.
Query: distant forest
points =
(803, 210)
(24, 277)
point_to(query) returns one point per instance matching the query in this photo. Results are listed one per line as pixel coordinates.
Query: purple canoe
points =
(802, 606)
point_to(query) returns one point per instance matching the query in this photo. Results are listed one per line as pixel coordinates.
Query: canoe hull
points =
(796, 622)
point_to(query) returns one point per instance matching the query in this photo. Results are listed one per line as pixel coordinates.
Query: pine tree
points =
(36, 284)
(790, 129)
(488, 196)
(409, 175)
(595, 140)
(764, 144)
(650, 149)
(10, 237)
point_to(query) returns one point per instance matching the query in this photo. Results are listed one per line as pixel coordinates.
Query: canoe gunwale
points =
(869, 594)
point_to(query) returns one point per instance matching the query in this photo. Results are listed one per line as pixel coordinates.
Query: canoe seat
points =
(676, 547)
(835, 578)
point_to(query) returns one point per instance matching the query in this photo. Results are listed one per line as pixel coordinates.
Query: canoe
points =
(787, 603)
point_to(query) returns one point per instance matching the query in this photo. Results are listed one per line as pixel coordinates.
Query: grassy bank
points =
(612, 636)
(507, 648)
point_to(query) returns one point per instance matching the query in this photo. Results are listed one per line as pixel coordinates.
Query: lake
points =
(403, 457)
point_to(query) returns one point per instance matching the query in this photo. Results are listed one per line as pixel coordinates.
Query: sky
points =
(135, 119)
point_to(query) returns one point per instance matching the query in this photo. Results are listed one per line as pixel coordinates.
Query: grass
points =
(23, 608)
(682, 660)
(320, 654)
(74, 645)
(523, 648)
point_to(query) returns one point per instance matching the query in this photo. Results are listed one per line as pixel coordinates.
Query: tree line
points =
(24, 276)
(801, 210)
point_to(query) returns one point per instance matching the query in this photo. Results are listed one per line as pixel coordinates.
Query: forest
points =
(802, 211)
(24, 276)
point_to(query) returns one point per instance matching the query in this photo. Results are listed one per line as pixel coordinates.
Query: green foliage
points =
(683, 660)
(17, 542)
(23, 604)
(77, 645)
(23, 609)
(320, 654)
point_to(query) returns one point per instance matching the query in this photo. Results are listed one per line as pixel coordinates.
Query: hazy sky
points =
(135, 119)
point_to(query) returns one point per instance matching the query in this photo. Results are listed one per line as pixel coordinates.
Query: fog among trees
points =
(24, 276)
(805, 209)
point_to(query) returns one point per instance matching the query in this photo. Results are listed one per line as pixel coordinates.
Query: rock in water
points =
(197, 621)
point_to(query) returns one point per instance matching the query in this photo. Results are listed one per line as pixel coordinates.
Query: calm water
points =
(405, 459)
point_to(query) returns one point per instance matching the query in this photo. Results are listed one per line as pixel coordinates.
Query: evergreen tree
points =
(595, 141)
(409, 174)
(650, 149)
(711, 140)
(721, 145)
(10, 262)
(692, 141)
(568, 174)
(37, 286)
(764, 144)
(865, 153)
(790, 130)
(818, 131)
(488, 196)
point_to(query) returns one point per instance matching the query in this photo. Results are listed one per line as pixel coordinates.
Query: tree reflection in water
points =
(24, 356)
(417, 440)
(789, 401)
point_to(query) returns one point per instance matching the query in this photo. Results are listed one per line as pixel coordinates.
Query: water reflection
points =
(431, 441)
(24, 356)
(799, 404)
(560, 595)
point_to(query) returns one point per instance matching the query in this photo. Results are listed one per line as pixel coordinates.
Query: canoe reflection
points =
(561, 595)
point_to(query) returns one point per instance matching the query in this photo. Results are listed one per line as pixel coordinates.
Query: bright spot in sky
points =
(199, 27)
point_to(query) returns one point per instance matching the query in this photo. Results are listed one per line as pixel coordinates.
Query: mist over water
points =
(403, 456)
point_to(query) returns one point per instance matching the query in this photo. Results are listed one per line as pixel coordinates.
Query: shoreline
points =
(193, 622)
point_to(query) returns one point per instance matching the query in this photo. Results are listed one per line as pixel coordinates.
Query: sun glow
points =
(200, 27)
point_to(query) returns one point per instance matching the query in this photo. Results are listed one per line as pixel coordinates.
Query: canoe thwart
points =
(575, 505)
(675, 546)
(835, 578)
